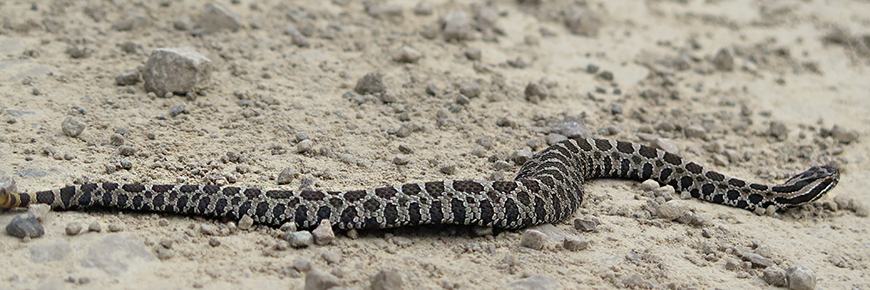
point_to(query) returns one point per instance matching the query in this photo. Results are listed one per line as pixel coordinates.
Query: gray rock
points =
(521, 156)
(176, 70)
(25, 225)
(778, 130)
(95, 226)
(116, 253)
(299, 239)
(533, 239)
(388, 279)
(574, 243)
(72, 126)
(73, 228)
(649, 185)
(582, 22)
(800, 278)
(246, 222)
(572, 127)
(371, 83)
(215, 18)
(302, 265)
(408, 55)
(55, 251)
(298, 39)
(633, 281)
(554, 138)
(331, 257)
(473, 53)
(320, 280)
(423, 10)
(665, 144)
(182, 22)
(672, 209)
(457, 26)
(470, 89)
(286, 176)
(304, 146)
(323, 234)
(385, 10)
(724, 60)
(843, 135)
(537, 282)
(774, 276)
(449, 168)
(696, 131)
(128, 78)
(586, 223)
(758, 261)
(536, 92)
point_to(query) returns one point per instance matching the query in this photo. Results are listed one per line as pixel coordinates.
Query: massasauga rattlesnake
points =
(548, 188)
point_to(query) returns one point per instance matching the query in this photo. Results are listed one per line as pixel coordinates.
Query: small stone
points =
(304, 146)
(176, 70)
(696, 131)
(535, 92)
(320, 280)
(554, 138)
(470, 89)
(207, 229)
(116, 227)
(591, 68)
(214, 242)
(246, 222)
(407, 55)
(72, 126)
(331, 257)
(25, 226)
(457, 26)
(177, 110)
(615, 109)
(388, 279)
(720, 160)
(166, 243)
(449, 168)
(572, 127)
(574, 243)
(462, 100)
(95, 226)
(843, 135)
(299, 239)
(215, 18)
(582, 21)
(371, 83)
(731, 264)
(692, 219)
(665, 144)
(536, 282)
(606, 75)
(724, 60)
(521, 156)
(323, 234)
(182, 23)
(286, 176)
(126, 150)
(302, 265)
(423, 10)
(649, 185)
(432, 90)
(533, 239)
(672, 209)
(73, 229)
(774, 276)
(39, 210)
(586, 223)
(473, 53)
(778, 130)
(758, 261)
(128, 78)
(163, 253)
(800, 278)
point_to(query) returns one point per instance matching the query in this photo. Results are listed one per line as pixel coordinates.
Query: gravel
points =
(586, 223)
(25, 225)
(95, 226)
(574, 243)
(371, 83)
(801, 277)
(723, 60)
(778, 130)
(72, 126)
(73, 228)
(299, 239)
(533, 239)
(176, 70)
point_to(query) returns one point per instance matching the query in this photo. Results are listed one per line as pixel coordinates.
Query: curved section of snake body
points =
(548, 188)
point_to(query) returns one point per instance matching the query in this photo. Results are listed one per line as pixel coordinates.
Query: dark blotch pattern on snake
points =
(548, 188)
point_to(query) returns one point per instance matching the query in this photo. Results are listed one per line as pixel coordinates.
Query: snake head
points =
(808, 186)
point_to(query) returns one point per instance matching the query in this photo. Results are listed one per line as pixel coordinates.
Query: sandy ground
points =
(660, 53)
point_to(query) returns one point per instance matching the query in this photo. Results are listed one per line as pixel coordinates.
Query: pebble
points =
(296, 37)
(473, 53)
(116, 227)
(214, 242)
(696, 131)
(432, 89)
(25, 225)
(246, 222)
(182, 23)
(724, 60)
(286, 176)
(449, 168)
(533, 239)
(73, 229)
(302, 265)
(606, 75)
(304, 146)
(371, 83)
(215, 18)
(720, 160)
(126, 150)
(758, 261)
(536, 282)
(582, 21)
(128, 78)
(299, 239)
(693, 219)
(39, 210)
(331, 257)
(572, 127)
(400, 160)
(457, 26)
(574, 243)
(423, 10)
(408, 55)
(591, 68)
(95, 226)
(665, 144)
(800, 278)
(774, 276)
(649, 185)
(554, 138)
(778, 130)
(320, 280)
(536, 92)
(176, 70)
(616, 109)
(731, 264)
(72, 126)
(470, 89)
(387, 279)
(323, 234)
(843, 135)
(521, 156)
(633, 281)
(163, 253)
(586, 223)
(672, 209)
(207, 229)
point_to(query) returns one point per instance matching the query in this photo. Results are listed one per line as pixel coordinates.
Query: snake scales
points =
(548, 188)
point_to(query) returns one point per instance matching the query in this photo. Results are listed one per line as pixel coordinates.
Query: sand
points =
(799, 65)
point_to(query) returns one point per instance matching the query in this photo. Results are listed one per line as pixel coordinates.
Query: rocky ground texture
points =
(347, 94)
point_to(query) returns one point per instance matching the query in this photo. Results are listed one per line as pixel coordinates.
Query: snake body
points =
(548, 188)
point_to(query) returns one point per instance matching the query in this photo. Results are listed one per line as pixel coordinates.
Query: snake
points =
(548, 188)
